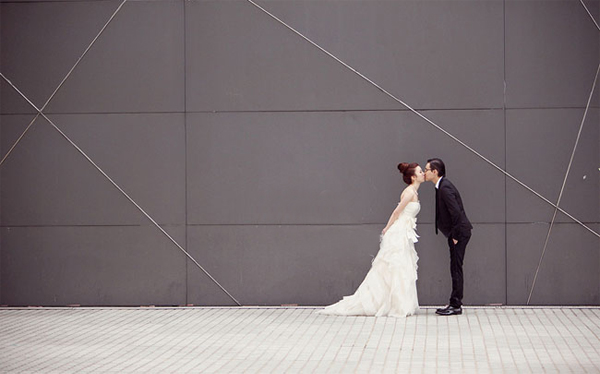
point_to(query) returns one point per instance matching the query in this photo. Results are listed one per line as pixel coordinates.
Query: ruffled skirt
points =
(390, 286)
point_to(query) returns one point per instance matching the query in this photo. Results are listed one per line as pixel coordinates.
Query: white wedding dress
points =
(390, 287)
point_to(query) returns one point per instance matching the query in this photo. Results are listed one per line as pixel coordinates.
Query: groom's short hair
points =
(437, 164)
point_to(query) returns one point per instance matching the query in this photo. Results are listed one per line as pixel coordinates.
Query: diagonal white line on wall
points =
(562, 188)
(588, 12)
(60, 84)
(122, 191)
(41, 113)
(422, 116)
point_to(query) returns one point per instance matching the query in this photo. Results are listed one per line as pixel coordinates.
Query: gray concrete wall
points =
(275, 166)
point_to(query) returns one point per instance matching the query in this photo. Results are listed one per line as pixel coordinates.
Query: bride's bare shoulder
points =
(409, 193)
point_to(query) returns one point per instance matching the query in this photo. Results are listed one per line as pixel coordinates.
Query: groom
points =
(452, 221)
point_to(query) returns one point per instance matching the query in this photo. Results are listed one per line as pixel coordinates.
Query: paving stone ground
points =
(296, 340)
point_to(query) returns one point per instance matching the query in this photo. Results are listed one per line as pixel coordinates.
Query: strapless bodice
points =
(412, 209)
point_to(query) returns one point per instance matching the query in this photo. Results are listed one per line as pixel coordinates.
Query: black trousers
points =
(457, 255)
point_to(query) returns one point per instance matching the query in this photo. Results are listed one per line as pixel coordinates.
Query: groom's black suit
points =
(451, 220)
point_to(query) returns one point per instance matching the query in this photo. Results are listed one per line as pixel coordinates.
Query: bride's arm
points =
(406, 198)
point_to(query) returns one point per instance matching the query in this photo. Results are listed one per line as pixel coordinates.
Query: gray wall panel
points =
(292, 167)
(332, 167)
(92, 266)
(315, 265)
(136, 66)
(1, 298)
(39, 46)
(275, 165)
(143, 153)
(431, 54)
(484, 266)
(581, 193)
(545, 65)
(18, 103)
(47, 182)
(238, 58)
(480, 184)
(539, 146)
(569, 271)
(272, 265)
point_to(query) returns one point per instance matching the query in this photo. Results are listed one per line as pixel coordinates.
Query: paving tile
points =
(296, 340)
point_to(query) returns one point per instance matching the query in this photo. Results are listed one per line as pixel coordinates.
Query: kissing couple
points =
(390, 286)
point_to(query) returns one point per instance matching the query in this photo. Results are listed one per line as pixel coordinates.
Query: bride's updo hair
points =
(407, 170)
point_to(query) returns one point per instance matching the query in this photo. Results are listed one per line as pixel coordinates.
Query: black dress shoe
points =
(442, 309)
(449, 311)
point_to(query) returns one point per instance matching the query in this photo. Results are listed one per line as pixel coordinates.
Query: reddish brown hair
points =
(407, 170)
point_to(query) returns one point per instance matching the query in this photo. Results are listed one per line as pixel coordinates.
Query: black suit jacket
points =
(450, 216)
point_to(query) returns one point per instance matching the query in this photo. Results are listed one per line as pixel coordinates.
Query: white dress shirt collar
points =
(437, 185)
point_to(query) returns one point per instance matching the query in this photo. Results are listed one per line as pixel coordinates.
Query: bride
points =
(390, 287)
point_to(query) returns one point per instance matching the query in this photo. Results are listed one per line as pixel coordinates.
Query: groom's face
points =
(429, 174)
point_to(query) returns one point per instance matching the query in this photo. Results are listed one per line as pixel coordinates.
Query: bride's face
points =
(419, 175)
